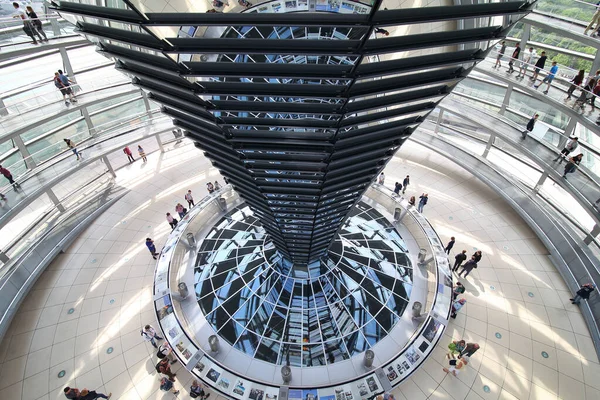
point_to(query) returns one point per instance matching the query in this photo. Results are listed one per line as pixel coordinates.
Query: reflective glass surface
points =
(304, 315)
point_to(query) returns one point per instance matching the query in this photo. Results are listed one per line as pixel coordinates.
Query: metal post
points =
(29, 162)
(540, 182)
(590, 237)
(68, 66)
(55, 26)
(506, 100)
(439, 120)
(569, 130)
(3, 110)
(55, 200)
(526, 35)
(160, 144)
(88, 120)
(489, 145)
(109, 166)
(146, 102)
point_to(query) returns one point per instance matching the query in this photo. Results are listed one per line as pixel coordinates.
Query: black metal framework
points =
(299, 127)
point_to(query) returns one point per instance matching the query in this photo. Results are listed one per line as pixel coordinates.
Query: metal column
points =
(590, 237)
(439, 121)
(68, 66)
(55, 200)
(29, 162)
(146, 102)
(596, 63)
(569, 130)
(489, 145)
(109, 166)
(540, 182)
(506, 100)
(88, 120)
(160, 144)
(3, 110)
(525, 37)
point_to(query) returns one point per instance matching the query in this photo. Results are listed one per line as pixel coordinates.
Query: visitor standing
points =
(189, 198)
(151, 247)
(549, 78)
(450, 245)
(459, 259)
(165, 351)
(411, 201)
(528, 59)
(470, 349)
(500, 54)
(539, 65)
(575, 83)
(197, 391)
(180, 210)
(142, 153)
(530, 126)
(210, 188)
(572, 164)
(422, 202)
(456, 306)
(468, 267)
(477, 256)
(381, 179)
(455, 366)
(172, 221)
(149, 334)
(164, 367)
(217, 186)
(64, 90)
(571, 145)
(405, 183)
(397, 188)
(515, 57)
(458, 290)
(67, 82)
(129, 154)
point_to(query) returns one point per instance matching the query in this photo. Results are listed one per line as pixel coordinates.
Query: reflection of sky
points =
(313, 315)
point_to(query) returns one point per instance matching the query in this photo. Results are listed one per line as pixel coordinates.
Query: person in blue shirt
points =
(549, 78)
(150, 245)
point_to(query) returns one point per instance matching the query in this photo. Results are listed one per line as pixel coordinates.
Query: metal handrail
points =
(87, 136)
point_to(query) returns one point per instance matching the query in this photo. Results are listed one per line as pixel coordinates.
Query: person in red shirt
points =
(9, 176)
(127, 151)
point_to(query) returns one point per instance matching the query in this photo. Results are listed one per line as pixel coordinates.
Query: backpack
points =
(165, 385)
(160, 355)
(193, 395)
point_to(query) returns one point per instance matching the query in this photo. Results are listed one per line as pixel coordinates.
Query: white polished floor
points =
(517, 305)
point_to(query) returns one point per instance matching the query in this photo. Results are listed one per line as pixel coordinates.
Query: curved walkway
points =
(581, 185)
(106, 277)
(64, 166)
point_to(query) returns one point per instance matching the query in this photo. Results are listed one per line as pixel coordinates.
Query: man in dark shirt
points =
(530, 126)
(405, 183)
(460, 258)
(539, 65)
(450, 245)
(515, 56)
